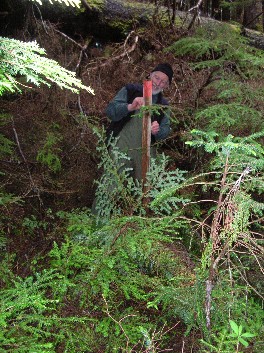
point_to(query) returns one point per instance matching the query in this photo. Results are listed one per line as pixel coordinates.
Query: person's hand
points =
(155, 128)
(137, 103)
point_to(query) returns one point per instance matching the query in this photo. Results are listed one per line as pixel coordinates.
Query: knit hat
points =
(166, 69)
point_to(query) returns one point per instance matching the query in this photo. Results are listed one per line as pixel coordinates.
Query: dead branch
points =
(121, 232)
(118, 322)
(225, 209)
(40, 14)
(126, 51)
(196, 9)
(33, 185)
(243, 276)
(87, 6)
(67, 37)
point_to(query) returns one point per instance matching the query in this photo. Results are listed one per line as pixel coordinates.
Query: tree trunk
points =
(216, 10)
(253, 15)
(173, 11)
(206, 7)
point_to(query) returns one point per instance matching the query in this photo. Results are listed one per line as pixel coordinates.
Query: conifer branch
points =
(26, 61)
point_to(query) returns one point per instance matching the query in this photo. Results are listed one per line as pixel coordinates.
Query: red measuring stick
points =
(146, 130)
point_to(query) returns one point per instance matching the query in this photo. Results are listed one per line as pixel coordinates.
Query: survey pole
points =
(146, 130)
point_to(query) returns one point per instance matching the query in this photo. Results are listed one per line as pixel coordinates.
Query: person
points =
(127, 126)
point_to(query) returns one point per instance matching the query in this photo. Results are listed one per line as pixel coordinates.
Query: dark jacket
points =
(133, 91)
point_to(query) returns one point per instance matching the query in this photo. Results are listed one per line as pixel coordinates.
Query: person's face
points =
(159, 81)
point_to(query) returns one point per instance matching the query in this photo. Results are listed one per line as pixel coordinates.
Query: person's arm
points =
(117, 108)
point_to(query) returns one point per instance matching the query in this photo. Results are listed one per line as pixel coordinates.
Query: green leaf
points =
(241, 340)
(248, 335)
(234, 326)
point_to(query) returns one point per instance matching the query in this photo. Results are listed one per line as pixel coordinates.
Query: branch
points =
(196, 13)
(117, 322)
(125, 52)
(87, 6)
(254, 18)
(67, 37)
(34, 187)
(246, 280)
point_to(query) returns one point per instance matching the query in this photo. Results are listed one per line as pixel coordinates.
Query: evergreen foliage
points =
(220, 45)
(66, 2)
(48, 155)
(28, 319)
(103, 276)
(125, 281)
(236, 107)
(118, 194)
(241, 152)
(6, 145)
(120, 271)
(23, 63)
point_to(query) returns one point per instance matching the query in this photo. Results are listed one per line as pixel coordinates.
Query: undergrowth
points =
(120, 279)
(121, 284)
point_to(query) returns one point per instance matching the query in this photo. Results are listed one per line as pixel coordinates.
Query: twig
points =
(122, 230)
(34, 187)
(196, 7)
(245, 279)
(69, 38)
(125, 53)
(183, 344)
(43, 22)
(257, 220)
(117, 322)
(81, 55)
(196, 13)
(126, 41)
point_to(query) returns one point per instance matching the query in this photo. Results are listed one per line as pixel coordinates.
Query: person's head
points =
(161, 77)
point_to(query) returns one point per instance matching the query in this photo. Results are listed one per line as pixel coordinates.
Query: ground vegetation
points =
(176, 267)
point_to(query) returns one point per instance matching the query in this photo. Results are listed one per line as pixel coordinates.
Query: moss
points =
(138, 5)
(96, 4)
(123, 26)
